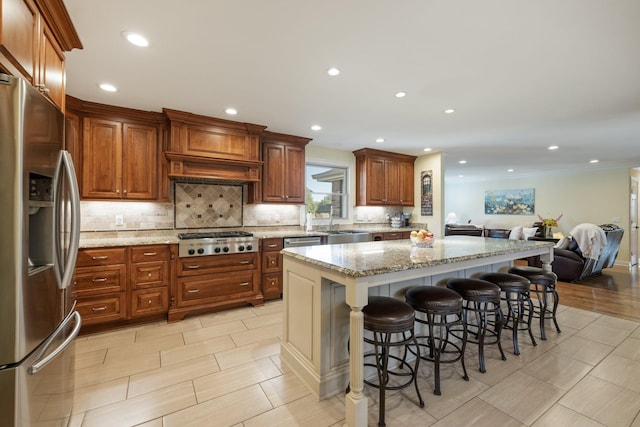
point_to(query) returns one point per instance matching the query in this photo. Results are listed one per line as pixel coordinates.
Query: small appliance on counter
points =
(407, 219)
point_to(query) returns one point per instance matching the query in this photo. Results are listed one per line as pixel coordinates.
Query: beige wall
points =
(598, 197)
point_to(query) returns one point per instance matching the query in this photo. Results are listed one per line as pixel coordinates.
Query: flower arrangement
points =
(550, 222)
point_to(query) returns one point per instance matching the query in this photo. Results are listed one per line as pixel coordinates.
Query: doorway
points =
(633, 226)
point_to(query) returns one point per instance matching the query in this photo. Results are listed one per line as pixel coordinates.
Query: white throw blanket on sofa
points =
(590, 238)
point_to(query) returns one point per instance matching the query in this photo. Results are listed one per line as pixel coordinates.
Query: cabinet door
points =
(274, 173)
(405, 183)
(392, 183)
(101, 159)
(149, 301)
(376, 189)
(52, 68)
(19, 36)
(139, 162)
(294, 174)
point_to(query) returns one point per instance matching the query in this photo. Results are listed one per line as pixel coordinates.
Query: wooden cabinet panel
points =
(149, 301)
(384, 178)
(149, 274)
(99, 280)
(393, 235)
(102, 309)
(149, 253)
(216, 264)
(139, 160)
(271, 262)
(101, 159)
(271, 267)
(52, 70)
(272, 283)
(216, 287)
(100, 256)
(19, 36)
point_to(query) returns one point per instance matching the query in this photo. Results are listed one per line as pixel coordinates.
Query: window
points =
(326, 190)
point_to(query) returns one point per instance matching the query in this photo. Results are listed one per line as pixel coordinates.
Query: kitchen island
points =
(326, 288)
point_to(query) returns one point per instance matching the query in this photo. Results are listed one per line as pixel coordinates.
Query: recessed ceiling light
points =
(316, 127)
(460, 176)
(427, 149)
(107, 87)
(333, 71)
(135, 39)
(231, 111)
(379, 140)
(462, 162)
(594, 161)
(449, 111)
(509, 170)
(401, 94)
(553, 147)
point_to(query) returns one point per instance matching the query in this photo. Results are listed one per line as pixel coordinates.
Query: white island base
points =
(326, 287)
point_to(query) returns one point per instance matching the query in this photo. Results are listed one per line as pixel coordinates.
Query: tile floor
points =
(224, 369)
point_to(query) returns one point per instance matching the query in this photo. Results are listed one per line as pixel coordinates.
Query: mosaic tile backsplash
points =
(207, 205)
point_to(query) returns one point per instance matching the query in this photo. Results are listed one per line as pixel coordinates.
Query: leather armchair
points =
(569, 264)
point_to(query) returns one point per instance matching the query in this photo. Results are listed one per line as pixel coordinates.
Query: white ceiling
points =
(521, 74)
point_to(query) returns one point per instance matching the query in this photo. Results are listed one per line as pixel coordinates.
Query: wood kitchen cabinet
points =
(118, 151)
(100, 285)
(210, 282)
(271, 267)
(283, 179)
(384, 178)
(34, 34)
(149, 280)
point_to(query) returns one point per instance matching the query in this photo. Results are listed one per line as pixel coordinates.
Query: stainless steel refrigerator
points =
(39, 231)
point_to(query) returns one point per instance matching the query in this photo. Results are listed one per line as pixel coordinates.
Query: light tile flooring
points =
(224, 369)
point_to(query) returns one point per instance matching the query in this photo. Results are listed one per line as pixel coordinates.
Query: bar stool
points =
(515, 291)
(389, 318)
(544, 285)
(482, 299)
(441, 308)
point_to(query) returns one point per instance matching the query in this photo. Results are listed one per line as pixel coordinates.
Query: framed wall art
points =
(426, 192)
(509, 202)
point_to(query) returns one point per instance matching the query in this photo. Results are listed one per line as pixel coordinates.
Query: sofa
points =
(515, 233)
(570, 265)
(462, 230)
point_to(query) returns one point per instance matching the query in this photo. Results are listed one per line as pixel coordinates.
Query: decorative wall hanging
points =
(509, 202)
(426, 199)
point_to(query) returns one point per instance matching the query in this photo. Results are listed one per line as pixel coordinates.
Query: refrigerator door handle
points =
(42, 362)
(64, 273)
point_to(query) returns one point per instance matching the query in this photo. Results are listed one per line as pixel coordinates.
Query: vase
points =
(548, 233)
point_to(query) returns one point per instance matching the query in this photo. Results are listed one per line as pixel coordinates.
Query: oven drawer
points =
(149, 274)
(105, 308)
(99, 280)
(211, 288)
(101, 256)
(217, 263)
(146, 302)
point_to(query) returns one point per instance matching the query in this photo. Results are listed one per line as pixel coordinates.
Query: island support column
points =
(356, 404)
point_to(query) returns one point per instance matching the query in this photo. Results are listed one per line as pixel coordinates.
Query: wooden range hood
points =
(206, 148)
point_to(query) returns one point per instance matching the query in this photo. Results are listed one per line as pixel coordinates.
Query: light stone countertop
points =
(371, 258)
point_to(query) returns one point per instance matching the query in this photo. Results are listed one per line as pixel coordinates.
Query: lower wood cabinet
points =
(271, 268)
(149, 280)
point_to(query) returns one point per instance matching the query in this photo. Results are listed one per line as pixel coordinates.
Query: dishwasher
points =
(296, 242)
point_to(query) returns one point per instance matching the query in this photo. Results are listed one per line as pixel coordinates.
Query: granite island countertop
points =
(372, 258)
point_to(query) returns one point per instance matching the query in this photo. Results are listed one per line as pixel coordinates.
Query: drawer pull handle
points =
(244, 262)
(95, 309)
(99, 258)
(149, 302)
(193, 267)
(102, 279)
(244, 284)
(149, 274)
(193, 291)
(273, 245)
(150, 253)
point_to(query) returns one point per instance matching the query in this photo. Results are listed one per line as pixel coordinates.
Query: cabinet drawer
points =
(149, 253)
(272, 285)
(215, 287)
(149, 301)
(217, 263)
(99, 280)
(149, 274)
(93, 257)
(272, 245)
(106, 308)
(271, 262)
(393, 235)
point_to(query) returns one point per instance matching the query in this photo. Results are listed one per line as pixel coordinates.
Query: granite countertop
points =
(371, 258)
(101, 239)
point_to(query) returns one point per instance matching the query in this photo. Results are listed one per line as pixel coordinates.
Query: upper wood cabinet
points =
(119, 155)
(384, 178)
(283, 169)
(34, 34)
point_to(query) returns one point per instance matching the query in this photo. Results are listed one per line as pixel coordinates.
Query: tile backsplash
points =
(207, 205)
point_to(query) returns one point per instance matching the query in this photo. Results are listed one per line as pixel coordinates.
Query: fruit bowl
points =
(424, 242)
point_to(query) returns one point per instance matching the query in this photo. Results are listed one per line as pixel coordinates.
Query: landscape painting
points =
(509, 202)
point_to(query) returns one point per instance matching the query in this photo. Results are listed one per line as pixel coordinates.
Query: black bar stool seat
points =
(391, 323)
(515, 291)
(543, 283)
(440, 309)
(482, 299)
